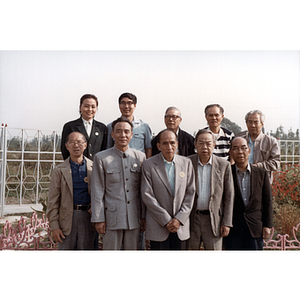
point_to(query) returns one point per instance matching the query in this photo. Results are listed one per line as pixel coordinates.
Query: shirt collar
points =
(120, 153)
(208, 163)
(248, 168)
(74, 164)
(86, 122)
(168, 162)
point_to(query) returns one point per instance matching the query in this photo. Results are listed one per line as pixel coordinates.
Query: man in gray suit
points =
(168, 189)
(211, 217)
(115, 191)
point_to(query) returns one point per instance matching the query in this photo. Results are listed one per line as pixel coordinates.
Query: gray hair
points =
(254, 112)
(172, 107)
(205, 131)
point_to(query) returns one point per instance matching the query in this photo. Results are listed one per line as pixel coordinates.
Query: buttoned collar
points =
(239, 171)
(121, 153)
(168, 162)
(208, 163)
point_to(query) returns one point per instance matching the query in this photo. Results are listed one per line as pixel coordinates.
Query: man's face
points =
(122, 135)
(205, 146)
(88, 109)
(127, 107)
(254, 124)
(239, 150)
(76, 144)
(173, 119)
(214, 117)
(167, 145)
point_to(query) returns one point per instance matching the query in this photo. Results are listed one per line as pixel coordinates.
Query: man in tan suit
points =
(211, 217)
(69, 198)
(167, 189)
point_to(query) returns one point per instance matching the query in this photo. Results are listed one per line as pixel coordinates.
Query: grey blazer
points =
(161, 205)
(115, 189)
(221, 193)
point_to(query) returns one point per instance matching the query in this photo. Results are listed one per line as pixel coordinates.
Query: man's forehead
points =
(213, 110)
(173, 112)
(76, 135)
(167, 136)
(239, 142)
(122, 125)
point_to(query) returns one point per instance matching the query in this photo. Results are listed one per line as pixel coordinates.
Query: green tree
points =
(231, 126)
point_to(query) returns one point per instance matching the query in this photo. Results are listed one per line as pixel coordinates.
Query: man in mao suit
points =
(252, 212)
(185, 140)
(211, 217)
(167, 189)
(97, 138)
(116, 205)
(69, 200)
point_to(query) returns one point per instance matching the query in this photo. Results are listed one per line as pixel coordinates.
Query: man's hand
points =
(143, 225)
(173, 225)
(57, 235)
(266, 232)
(100, 227)
(225, 231)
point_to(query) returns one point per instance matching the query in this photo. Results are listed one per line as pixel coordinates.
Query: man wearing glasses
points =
(141, 139)
(185, 140)
(69, 199)
(252, 211)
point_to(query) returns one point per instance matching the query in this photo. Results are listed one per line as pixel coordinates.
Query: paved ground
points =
(18, 209)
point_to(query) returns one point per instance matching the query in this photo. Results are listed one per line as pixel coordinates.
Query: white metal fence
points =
(28, 156)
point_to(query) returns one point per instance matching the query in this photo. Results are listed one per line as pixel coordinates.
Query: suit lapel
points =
(161, 172)
(81, 128)
(214, 173)
(67, 173)
(195, 166)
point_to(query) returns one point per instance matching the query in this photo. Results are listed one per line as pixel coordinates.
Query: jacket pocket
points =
(113, 176)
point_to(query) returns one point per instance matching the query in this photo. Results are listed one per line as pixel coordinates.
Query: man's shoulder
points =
(227, 131)
(185, 134)
(242, 134)
(136, 153)
(105, 153)
(99, 124)
(220, 161)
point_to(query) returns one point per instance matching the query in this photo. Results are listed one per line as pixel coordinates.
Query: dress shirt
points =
(88, 126)
(244, 181)
(170, 169)
(141, 138)
(80, 185)
(251, 155)
(204, 178)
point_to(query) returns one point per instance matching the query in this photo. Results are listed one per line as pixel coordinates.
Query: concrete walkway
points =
(16, 209)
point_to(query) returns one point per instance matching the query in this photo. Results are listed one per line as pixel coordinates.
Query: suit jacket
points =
(221, 193)
(95, 143)
(60, 196)
(185, 144)
(115, 189)
(161, 205)
(259, 212)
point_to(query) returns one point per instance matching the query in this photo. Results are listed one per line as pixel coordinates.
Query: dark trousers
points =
(240, 238)
(171, 243)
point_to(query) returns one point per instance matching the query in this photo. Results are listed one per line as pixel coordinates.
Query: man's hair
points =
(164, 130)
(254, 112)
(129, 96)
(235, 137)
(172, 107)
(119, 120)
(83, 137)
(212, 105)
(204, 131)
(88, 96)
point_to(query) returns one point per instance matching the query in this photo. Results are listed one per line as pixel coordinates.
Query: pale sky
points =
(41, 89)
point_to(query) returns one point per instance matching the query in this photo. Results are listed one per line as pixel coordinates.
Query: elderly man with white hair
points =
(265, 152)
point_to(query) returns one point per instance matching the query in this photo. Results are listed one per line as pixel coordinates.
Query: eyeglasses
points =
(243, 149)
(124, 103)
(76, 142)
(174, 117)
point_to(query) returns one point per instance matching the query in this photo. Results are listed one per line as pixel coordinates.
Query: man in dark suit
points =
(185, 140)
(95, 132)
(252, 211)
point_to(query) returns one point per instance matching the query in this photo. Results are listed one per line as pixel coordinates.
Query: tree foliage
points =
(281, 135)
(231, 126)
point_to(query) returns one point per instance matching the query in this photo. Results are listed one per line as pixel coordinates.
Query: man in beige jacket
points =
(69, 198)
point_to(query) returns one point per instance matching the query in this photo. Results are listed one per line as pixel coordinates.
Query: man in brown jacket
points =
(69, 198)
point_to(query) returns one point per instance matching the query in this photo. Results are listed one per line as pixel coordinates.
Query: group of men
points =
(213, 190)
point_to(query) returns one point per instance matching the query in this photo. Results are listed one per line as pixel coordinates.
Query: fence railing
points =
(28, 157)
